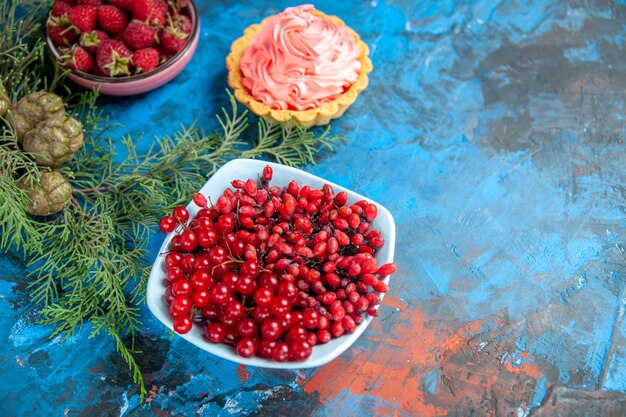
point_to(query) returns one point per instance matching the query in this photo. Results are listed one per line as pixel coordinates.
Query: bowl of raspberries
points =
(271, 266)
(122, 47)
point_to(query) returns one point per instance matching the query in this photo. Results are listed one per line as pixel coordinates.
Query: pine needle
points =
(89, 264)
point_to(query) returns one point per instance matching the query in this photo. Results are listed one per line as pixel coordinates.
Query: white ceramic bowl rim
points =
(243, 169)
(193, 14)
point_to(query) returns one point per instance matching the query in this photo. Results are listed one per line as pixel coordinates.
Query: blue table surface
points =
(494, 132)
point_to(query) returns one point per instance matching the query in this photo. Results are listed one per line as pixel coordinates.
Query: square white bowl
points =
(244, 169)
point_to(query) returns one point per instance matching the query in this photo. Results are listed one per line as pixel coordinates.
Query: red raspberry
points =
(180, 4)
(59, 30)
(150, 12)
(112, 19)
(164, 55)
(173, 39)
(99, 71)
(83, 18)
(94, 3)
(60, 8)
(145, 59)
(123, 4)
(139, 35)
(78, 58)
(91, 40)
(183, 23)
(163, 6)
(113, 58)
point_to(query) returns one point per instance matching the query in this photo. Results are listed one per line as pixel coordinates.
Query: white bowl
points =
(244, 169)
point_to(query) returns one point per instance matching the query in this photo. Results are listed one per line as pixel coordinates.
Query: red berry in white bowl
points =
(275, 282)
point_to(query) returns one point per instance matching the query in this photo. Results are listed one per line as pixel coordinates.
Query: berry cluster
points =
(118, 37)
(273, 271)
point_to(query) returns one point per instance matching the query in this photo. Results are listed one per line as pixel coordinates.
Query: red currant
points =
(199, 200)
(261, 314)
(201, 279)
(182, 287)
(188, 241)
(265, 348)
(271, 330)
(246, 347)
(263, 297)
(246, 286)
(337, 329)
(206, 238)
(217, 255)
(267, 173)
(182, 324)
(280, 306)
(323, 336)
(348, 324)
(200, 298)
(296, 332)
(300, 350)
(215, 332)
(181, 305)
(387, 269)
(234, 310)
(211, 311)
(220, 294)
(174, 274)
(232, 336)
(380, 287)
(169, 297)
(167, 224)
(281, 352)
(247, 327)
(173, 259)
(274, 271)
(181, 214)
(370, 211)
(250, 268)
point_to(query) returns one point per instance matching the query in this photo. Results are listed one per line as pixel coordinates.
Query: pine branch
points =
(88, 265)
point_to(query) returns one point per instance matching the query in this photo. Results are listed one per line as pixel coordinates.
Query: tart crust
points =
(314, 117)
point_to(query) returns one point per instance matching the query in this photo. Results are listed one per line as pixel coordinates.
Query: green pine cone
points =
(54, 141)
(34, 109)
(51, 195)
(5, 102)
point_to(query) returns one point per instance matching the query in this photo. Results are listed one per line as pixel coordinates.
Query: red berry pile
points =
(273, 271)
(118, 37)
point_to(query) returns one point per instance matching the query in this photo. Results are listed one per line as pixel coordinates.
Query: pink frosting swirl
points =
(299, 61)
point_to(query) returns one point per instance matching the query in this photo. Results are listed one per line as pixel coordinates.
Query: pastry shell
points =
(314, 117)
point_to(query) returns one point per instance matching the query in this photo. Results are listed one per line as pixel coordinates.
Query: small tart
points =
(317, 116)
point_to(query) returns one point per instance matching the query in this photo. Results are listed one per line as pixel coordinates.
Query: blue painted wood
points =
(494, 132)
